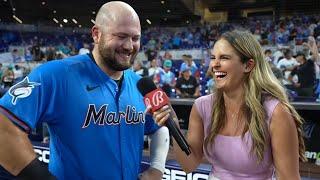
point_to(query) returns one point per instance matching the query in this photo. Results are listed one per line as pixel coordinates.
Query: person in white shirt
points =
(277, 54)
(84, 49)
(154, 68)
(287, 64)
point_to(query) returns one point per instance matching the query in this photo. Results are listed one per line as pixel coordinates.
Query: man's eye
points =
(121, 36)
(135, 39)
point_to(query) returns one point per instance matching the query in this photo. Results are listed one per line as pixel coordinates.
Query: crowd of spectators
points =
(298, 70)
(284, 31)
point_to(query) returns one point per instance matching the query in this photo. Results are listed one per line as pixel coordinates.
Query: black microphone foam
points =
(146, 85)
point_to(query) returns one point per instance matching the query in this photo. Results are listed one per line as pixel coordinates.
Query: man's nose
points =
(128, 45)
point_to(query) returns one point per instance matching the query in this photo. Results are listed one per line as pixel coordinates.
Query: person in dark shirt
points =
(36, 52)
(306, 76)
(187, 85)
(306, 71)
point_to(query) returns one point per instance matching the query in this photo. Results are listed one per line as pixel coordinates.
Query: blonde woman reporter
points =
(246, 129)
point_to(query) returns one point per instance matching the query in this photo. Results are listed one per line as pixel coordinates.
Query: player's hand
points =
(161, 115)
(151, 174)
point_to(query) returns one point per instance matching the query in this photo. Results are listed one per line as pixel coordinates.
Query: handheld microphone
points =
(156, 98)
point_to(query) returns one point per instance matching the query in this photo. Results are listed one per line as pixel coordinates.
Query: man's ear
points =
(95, 32)
(249, 65)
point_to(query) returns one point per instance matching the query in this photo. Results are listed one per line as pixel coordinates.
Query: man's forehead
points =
(125, 26)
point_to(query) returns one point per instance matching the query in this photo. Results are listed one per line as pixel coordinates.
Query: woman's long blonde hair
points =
(258, 82)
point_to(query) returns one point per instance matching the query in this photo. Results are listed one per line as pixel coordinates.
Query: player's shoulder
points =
(132, 75)
(62, 66)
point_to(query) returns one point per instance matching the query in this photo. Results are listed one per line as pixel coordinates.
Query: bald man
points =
(94, 111)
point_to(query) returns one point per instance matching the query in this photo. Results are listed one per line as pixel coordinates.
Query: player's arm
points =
(17, 155)
(16, 151)
(159, 147)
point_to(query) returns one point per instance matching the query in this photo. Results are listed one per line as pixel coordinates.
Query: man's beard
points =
(108, 58)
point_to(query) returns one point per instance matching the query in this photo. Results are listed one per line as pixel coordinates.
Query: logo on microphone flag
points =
(156, 99)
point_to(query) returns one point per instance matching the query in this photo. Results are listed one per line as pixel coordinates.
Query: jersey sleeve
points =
(31, 100)
(150, 126)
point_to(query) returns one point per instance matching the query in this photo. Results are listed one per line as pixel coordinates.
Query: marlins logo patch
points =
(22, 89)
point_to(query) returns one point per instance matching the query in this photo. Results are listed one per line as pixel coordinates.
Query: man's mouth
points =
(124, 55)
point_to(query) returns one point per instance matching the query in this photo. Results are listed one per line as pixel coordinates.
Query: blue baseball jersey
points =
(96, 129)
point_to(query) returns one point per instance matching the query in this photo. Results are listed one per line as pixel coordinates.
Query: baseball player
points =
(95, 113)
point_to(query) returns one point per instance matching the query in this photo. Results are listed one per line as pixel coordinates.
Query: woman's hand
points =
(162, 115)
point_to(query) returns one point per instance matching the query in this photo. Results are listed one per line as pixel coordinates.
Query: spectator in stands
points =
(51, 53)
(257, 35)
(36, 52)
(7, 78)
(306, 76)
(187, 86)
(167, 55)
(286, 65)
(166, 79)
(28, 55)
(268, 55)
(139, 68)
(306, 71)
(176, 41)
(16, 56)
(18, 72)
(85, 48)
(154, 68)
(72, 49)
(247, 129)
(63, 49)
(188, 64)
(278, 54)
(151, 54)
(277, 72)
